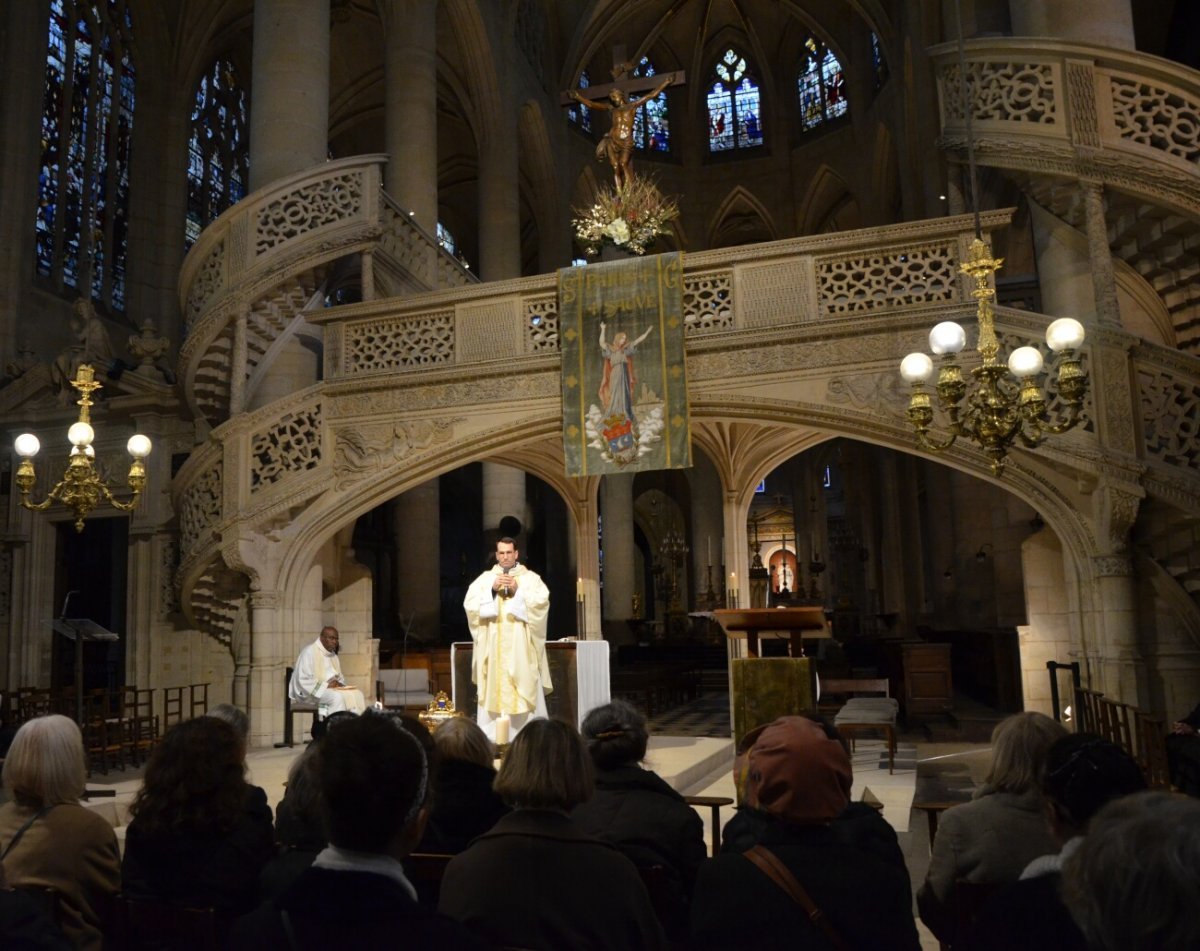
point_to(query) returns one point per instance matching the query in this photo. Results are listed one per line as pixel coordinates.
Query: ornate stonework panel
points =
(773, 294)
(489, 331)
(1081, 93)
(397, 343)
(888, 279)
(362, 451)
(307, 208)
(1012, 92)
(209, 281)
(1011, 340)
(707, 302)
(168, 581)
(541, 324)
(201, 507)
(534, 386)
(292, 444)
(1112, 566)
(1170, 410)
(1156, 118)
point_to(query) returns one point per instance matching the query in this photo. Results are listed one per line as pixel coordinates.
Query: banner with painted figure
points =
(624, 378)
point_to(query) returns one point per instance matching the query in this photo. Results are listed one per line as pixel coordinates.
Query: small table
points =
(935, 794)
(750, 623)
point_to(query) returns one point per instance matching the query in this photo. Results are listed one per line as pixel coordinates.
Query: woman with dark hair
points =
(47, 839)
(200, 834)
(635, 810)
(536, 880)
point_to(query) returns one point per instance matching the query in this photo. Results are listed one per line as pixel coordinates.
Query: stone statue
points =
(90, 344)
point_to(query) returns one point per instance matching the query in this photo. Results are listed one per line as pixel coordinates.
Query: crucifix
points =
(617, 144)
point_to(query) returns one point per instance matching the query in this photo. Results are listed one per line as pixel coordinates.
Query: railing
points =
(1067, 108)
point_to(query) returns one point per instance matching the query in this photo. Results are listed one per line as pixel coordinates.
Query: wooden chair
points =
(141, 733)
(145, 924)
(34, 702)
(291, 707)
(172, 706)
(872, 714)
(199, 700)
(102, 733)
(1152, 750)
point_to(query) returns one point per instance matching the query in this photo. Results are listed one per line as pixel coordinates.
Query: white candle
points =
(578, 589)
(502, 723)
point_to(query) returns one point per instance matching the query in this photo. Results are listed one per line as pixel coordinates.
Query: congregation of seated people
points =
(575, 843)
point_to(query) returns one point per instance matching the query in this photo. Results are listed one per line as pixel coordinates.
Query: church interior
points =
(310, 248)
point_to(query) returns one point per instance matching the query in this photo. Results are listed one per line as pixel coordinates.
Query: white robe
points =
(310, 682)
(509, 661)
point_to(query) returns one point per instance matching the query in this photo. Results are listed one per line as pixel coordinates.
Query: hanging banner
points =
(624, 378)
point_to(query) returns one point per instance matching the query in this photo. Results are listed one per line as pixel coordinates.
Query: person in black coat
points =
(797, 780)
(374, 780)
(200, 834)
(635, 810)
(536, 880)
(464, 803)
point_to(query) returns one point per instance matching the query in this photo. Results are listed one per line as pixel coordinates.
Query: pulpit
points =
(766, 688)
(578, 670)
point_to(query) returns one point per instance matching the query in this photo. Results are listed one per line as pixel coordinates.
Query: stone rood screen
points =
(624, 378)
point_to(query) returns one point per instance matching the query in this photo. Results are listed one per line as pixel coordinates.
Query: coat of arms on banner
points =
(624, 376)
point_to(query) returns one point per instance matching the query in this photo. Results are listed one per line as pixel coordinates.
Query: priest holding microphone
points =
(507, 607)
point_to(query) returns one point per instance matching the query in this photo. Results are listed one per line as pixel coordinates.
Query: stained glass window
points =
(82, 219)
(734, 109)
(445, 239)
(879, 66)
(822, 86)
(651, 130)
(219, 150)
(577, 112)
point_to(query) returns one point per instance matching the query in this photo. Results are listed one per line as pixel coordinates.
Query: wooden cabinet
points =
(928, 686)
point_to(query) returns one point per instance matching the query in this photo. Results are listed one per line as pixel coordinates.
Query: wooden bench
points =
(865, 713)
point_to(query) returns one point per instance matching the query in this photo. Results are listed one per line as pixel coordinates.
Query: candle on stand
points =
(502, 725)
(578, 589)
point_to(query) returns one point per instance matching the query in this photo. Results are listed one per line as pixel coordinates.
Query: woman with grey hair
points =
(992, 838)
(1133, 882)
(634, 809)
(47, 839)
(536, 880)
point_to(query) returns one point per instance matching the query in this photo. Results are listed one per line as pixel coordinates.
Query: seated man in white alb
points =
(317, 678)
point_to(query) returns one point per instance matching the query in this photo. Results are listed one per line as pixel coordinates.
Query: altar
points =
(578, 670)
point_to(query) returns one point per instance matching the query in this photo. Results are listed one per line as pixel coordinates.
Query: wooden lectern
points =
(766, 688)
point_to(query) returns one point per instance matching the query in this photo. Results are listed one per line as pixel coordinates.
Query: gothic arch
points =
(741, 219)
(828, 205)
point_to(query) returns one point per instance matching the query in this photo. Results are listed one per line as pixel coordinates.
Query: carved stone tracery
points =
(291, 444)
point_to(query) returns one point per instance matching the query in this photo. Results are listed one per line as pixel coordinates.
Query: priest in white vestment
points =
(507, 608)
(317, 678)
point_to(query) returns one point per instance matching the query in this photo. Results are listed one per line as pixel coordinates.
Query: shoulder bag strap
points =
(770, 865)
(21, 831)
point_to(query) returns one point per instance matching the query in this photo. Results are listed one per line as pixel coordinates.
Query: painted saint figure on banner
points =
(617, 392)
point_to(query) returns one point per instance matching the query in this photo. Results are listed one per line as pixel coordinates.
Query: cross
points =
(624, 80)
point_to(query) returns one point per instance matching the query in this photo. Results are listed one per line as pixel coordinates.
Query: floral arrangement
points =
(629, 219)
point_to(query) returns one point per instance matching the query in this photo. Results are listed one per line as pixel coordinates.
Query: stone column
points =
(499, 185)
(237, 364)
(1100, 22)
(264, 702)
(503, 495)
(294, 367)
(616, 508)
(410, 107)
(418, 559)
(1064, 268)
(1123, 670)
(289, 124)
(1104, 283)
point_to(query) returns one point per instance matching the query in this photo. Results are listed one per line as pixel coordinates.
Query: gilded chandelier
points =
(1006, 404)
(81, 489)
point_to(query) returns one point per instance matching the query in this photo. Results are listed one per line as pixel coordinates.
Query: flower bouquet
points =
(629, 219)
